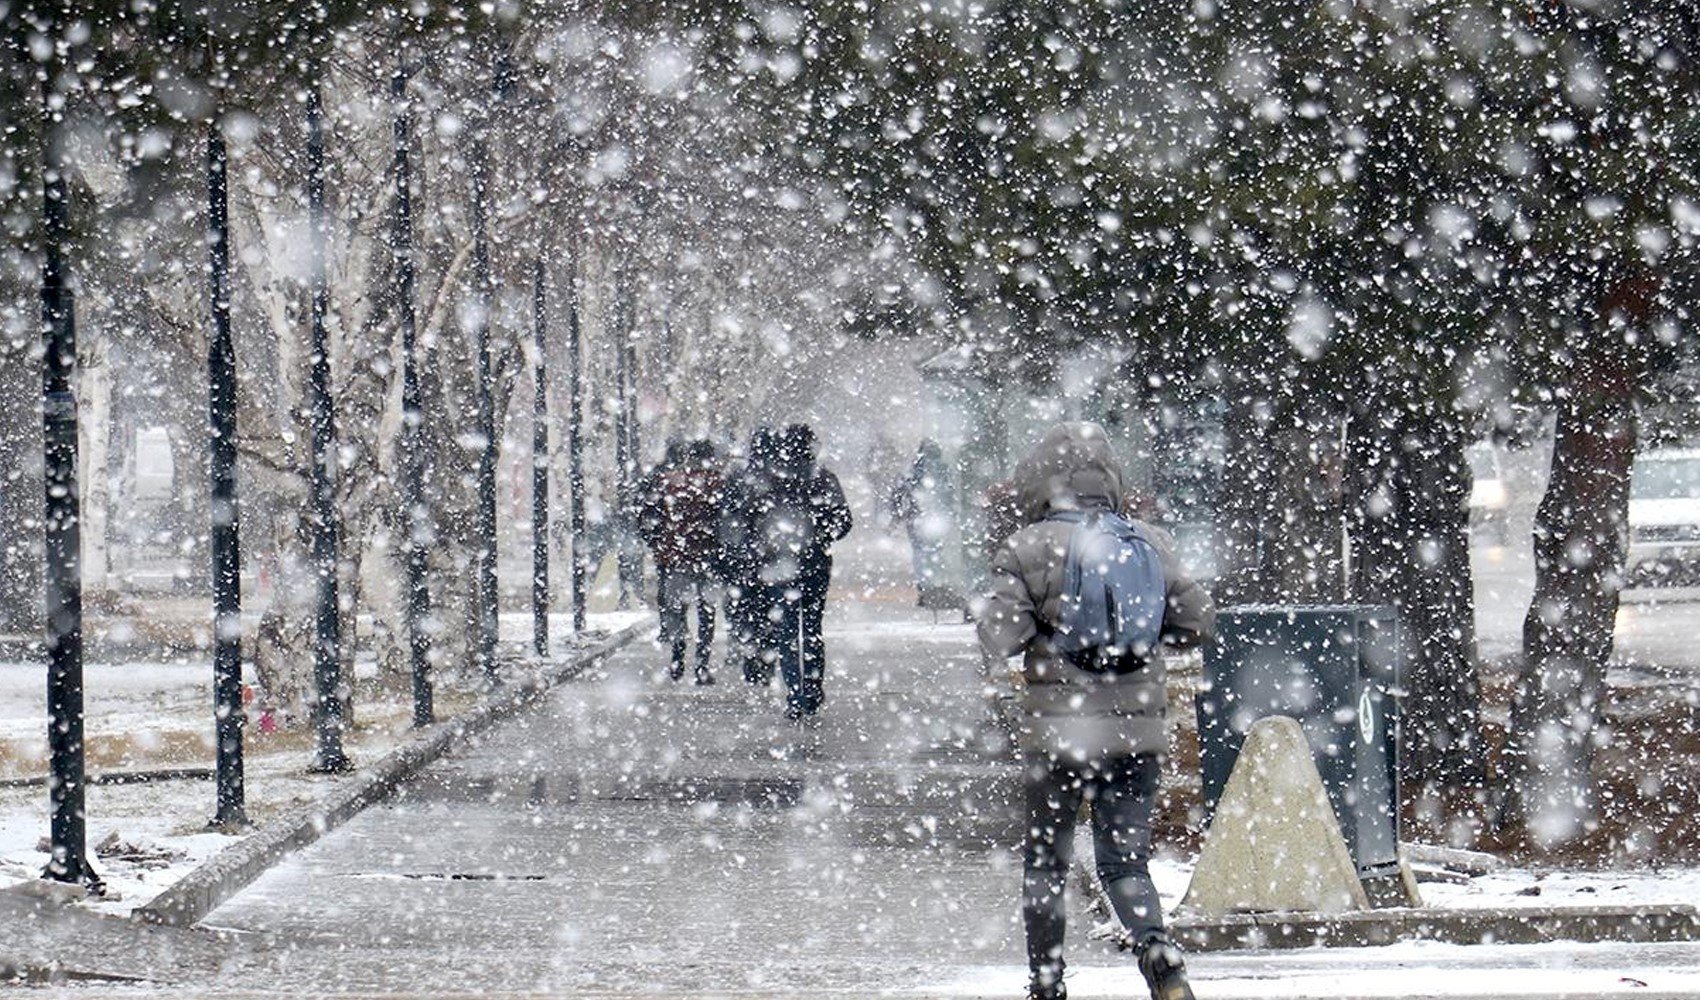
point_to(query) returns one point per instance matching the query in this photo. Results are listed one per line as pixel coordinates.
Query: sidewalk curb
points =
(1503, 925)
(49, 942)
(225, 873)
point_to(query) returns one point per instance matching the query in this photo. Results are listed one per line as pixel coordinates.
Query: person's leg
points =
(752, 631)
(733, 609)
(705, 628)
(1124, 796)
(628, 563)
(1121, 824)
(1053, 793)
(811, 622)
(671, 598)
(767, 618)
(918, 559)
(788, 648)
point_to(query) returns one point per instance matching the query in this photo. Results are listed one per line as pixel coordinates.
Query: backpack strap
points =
(1069, 516)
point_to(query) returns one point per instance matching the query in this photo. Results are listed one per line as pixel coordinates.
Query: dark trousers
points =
(797, 645)
(1122, 792)
(679, 589)
(748, 625)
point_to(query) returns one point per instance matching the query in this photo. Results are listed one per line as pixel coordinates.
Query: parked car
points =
(1664, 517)
(1488, 498)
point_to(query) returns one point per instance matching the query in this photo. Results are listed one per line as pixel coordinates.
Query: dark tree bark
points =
(1442, 711)
(1280, 508)
(1580, 539)
(1567, 635)
(1408, 518)
(20, 491)
(1245, 494)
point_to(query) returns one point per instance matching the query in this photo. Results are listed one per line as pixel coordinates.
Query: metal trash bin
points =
(1334, 668)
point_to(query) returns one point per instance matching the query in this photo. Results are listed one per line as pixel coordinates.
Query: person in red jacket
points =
(679, 516)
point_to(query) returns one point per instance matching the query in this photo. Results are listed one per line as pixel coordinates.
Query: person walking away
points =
(1092, 715)
(679, 519)
(924, 502)
(747, 620)
(801, 514)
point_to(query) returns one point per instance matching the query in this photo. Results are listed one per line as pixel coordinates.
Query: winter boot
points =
(1164, 968)
(1046, 985)
(704, 678)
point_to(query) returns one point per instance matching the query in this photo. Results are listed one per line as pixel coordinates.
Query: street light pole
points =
(624, 487)
(539, 474)
(226, 512)
(322, 513)
(488, 605)
(634, 445)
(575, 446)
(412, 414)
(62, 531)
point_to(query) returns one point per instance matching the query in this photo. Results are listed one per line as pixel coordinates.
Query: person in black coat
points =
(797, 512)
(746, 607)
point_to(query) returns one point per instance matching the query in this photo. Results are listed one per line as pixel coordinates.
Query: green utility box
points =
(1334, 668)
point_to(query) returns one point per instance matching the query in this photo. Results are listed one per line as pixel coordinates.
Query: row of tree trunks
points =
(1406, 514)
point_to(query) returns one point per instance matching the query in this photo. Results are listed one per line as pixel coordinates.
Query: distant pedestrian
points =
(747, 623)
(924, 502)
(679, 518)
(1092, 716)
(798, 513)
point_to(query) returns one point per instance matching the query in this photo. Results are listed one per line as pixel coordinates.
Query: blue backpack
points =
(1113, 595)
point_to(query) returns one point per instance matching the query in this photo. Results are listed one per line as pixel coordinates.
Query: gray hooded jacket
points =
(1067, 712)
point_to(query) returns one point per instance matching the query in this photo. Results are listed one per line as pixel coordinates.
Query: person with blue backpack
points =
(1089, 598)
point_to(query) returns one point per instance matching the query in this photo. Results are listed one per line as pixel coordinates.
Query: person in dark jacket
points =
(1092, 737)
(746, 610)
(798, 514)
(679, 518)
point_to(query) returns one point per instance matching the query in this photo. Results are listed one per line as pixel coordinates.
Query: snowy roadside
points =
(144, 716)
(1510, 888)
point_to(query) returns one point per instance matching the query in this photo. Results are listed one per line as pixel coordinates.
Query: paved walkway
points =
(643, 838)
(636, 834)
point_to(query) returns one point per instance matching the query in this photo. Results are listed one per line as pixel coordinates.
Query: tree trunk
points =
(1408, 516)
(1244, 494)
(20, 491)
(1579, 541)
(1442, 711)
(283, 646)
(187, 514)
(96, 428)
(1280, 508)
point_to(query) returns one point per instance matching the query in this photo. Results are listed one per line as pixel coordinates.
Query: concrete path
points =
(640, 834)
(637, 837)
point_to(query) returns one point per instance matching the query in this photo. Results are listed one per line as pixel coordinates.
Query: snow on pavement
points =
(145, 837)
(1411, 970)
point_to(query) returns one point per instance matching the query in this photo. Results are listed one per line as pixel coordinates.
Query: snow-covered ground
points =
(1511, 887)
(1412, 970)
(144, 715)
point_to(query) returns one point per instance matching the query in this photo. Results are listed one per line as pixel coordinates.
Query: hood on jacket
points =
(1071, 468)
